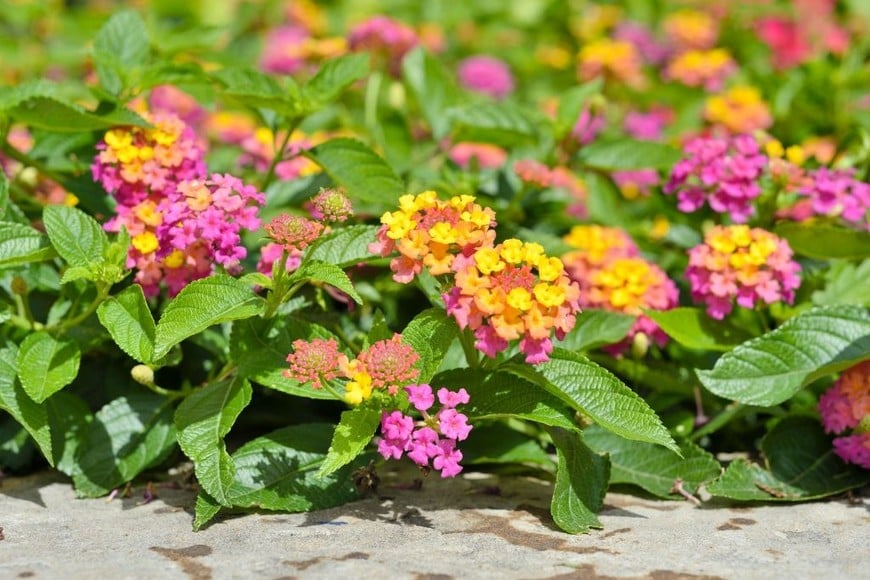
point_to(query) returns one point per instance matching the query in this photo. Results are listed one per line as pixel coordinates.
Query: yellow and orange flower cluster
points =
(691, 29)
(429, 232)
(513, 291)
(741, 109)
(611, 276)
(612, 59)
(702, 68)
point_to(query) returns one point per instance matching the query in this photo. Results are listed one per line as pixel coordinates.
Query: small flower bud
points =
(142, 374)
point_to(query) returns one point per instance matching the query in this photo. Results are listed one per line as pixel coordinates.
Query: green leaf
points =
(627, 154)
(498, 443)
(260, 348)
(801, 465)
(12, 96)
(592, 390)
(432, 88)
(368, 180)
(203, 420)
(771, 368)
(430, 334)
(825, 241)
(498, 123)
(581, 482)
(651, 467)
(345, 247)
(56, 115)
(333, 77)
(494, 395)
(692, 327)
(254, 89)
(21, 244)
(845, 283)
(203, 303)
(606, 205)
(571, 104)
(353, 432)
(317, 271)
(31, 415)
(127, 436)
(278, 472)
(46, 364)
(120, 47)
(205, 509)
(128, 319)
(76, 236)
(596, 328)
(69, 417)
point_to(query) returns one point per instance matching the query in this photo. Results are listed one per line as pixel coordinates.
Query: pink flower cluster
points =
(487, 75)
(485, 155)
(180, 238)
(385, 37)
(135, 164)
(736, 262)
(434, 438)
(647, 126)
(720, 171)
(835, 192)
(846, 406)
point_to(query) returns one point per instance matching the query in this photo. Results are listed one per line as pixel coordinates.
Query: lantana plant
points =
(305, 241)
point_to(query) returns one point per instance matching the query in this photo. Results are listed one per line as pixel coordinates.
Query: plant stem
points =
(23, 307)
(731, 412)
(26, 160)
(62, 327)
(373, 89)
(279, 155)
(471, 354)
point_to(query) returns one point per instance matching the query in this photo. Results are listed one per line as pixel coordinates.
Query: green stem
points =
(328, 386)
(373, 89)
(731, 412)
(279, 154)
(62, 327)
(279, 274)
(23, 307)
(166, 392)
(24, 159)
(466, 339)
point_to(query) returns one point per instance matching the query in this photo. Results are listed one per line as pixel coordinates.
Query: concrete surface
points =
(477, 526)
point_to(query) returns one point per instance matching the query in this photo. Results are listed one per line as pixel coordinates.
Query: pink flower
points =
(487, 75)
(722, 172)
(387, 38)
(647, 126)
(294, 233)
(283, 51)
(448, 458)
(486, 155)
(421, 396)
(835, 193)
(451, 399)
(453, 425)
(588, 126)
(851, 449)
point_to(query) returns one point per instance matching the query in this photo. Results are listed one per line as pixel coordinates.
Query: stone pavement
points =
(477, 526)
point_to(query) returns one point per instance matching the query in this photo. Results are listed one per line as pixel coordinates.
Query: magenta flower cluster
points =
(487, 75)
(434, 438)
(845, 407)
(836, 193)
(720, 171)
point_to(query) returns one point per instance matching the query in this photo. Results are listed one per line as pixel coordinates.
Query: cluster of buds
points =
(431, 233)
(612, 276)
(387, 39)
(386, 365)
(513, 291)
(719, 171)
(742, 264)
(432, 439)
(846, 407)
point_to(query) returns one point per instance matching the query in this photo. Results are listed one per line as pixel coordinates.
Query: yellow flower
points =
(145, 242)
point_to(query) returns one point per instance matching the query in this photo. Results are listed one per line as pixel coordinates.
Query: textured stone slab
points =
(480, 526)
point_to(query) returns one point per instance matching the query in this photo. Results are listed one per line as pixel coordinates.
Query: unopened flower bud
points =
(19, 286)
(142, 374)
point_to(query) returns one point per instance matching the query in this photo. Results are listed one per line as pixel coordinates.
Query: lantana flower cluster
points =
(487, 75)
(428, 232)
(721, 172)
(845, 407)
(387, 364)
(836, 193)
(136, 163)
(691, 29)
(386, 38)
(181, 222)
(432, 439)
(612, 276)
(612, 59)
(513, 291)
(742, 264)
(702, 68)
(740, 109)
